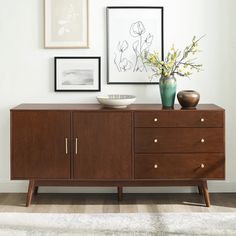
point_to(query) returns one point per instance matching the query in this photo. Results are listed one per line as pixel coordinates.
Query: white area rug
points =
(37, 224)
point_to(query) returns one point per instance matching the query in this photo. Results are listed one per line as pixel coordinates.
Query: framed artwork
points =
(130, 32)
(66, 23)
(77, 74)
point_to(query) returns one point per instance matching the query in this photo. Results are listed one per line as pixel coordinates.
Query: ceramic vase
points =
(168, 91)
(188, 98)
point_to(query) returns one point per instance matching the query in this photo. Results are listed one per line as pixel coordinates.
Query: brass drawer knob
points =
(155, 119)
(155, 166)
(202, 140)
(155, 140)
(202, 166)
(202, 119)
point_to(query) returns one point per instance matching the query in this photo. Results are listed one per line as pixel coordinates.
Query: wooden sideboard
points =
(142, 145)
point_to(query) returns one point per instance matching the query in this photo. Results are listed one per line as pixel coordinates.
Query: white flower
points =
(149, 39)
(125, 64)
(137, 29)
(122, 46)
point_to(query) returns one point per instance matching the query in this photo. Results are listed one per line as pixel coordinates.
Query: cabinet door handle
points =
(76, 146)
(66, 143)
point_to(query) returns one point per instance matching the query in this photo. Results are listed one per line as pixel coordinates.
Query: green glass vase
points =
(168, 91)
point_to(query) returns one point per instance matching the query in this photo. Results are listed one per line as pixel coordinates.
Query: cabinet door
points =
(104, 149)
(40, 145)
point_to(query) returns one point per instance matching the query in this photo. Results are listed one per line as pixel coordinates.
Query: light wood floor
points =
(107, 203)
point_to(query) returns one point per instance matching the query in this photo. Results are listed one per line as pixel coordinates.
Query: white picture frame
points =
(66, 24)
(130, 31)
(73, 74)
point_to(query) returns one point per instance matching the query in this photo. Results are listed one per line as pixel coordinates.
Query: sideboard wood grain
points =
(142, 145)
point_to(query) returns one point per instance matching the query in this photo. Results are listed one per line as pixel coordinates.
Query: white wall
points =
(26, 68)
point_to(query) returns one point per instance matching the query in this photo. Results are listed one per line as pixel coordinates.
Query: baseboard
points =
(21, 187)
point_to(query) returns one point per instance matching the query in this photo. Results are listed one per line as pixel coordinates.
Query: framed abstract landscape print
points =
(131, 31)
(66, 23)
(77, 74)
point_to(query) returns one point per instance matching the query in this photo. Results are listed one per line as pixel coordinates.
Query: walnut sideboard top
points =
(134, 107)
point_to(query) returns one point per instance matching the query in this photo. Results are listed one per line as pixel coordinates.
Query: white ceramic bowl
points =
(116, 100)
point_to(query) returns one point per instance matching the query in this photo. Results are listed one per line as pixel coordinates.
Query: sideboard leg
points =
(206, 194)
(30, 193)
(36, 188)
(120, 193)
(200, 190)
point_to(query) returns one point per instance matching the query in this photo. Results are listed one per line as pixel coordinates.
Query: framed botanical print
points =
(66, 23)
(77, 74)
(132, 31)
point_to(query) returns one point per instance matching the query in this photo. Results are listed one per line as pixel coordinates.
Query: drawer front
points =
(174, 140)
(190, 118)
(180, 166)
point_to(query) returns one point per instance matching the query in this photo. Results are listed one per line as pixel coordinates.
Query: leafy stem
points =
(176, 62)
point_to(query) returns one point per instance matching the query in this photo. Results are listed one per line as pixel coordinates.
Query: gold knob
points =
(202, 119)
(202, 140)
(155, 119)
(202, 166)
(155, 166)
(155, 140)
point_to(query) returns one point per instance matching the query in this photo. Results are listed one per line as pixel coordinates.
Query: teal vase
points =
(168, 91)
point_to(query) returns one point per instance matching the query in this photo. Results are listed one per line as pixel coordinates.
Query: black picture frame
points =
(108, 9)
(74, 71)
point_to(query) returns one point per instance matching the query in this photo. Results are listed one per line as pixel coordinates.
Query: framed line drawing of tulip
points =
(132, 31)
(66, 23)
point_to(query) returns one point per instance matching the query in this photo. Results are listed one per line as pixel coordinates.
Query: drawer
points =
(180, 166)
(172, 140)
(190, 118)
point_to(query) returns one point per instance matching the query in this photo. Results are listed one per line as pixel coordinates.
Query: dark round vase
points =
(188, 98)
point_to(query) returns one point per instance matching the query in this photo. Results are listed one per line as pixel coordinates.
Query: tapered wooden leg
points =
(30, 193)
(206, 194)
(120, 193)
(36, 188)
(200, 189)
